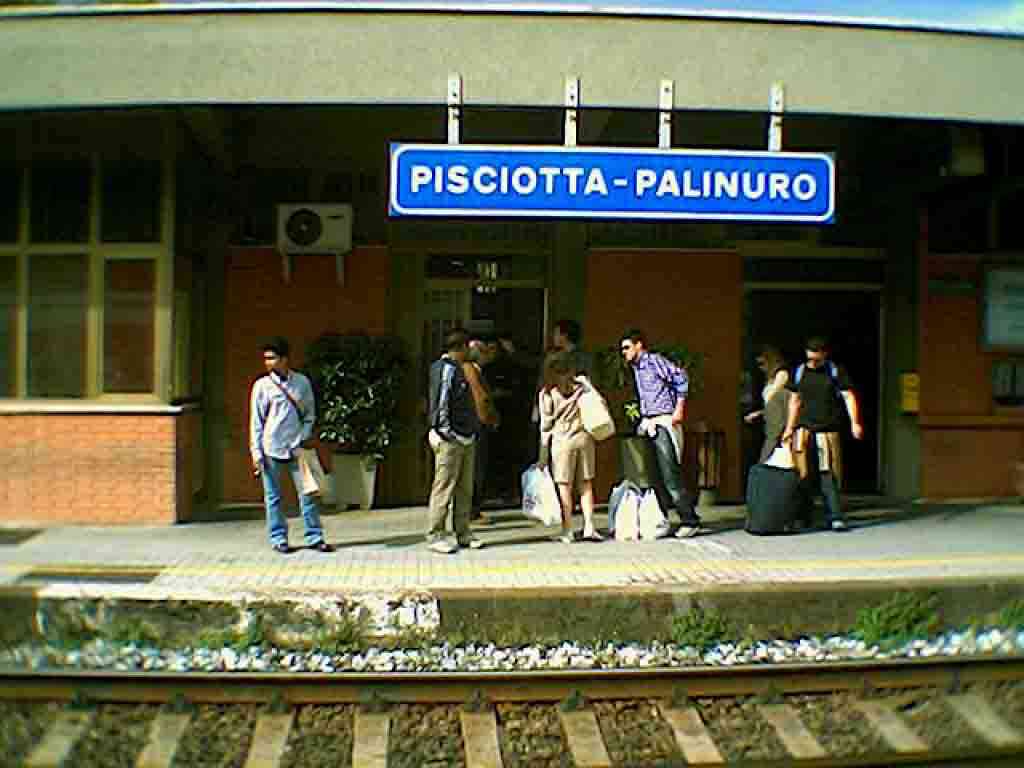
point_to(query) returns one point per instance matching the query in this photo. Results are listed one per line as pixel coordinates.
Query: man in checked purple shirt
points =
(661, 388)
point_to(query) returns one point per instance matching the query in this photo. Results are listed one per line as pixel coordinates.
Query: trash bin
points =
(708, 444)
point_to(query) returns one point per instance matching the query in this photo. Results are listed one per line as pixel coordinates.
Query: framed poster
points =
(1003, 308)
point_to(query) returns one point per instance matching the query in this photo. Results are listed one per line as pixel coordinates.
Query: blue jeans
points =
(277, 524)
(825, 482)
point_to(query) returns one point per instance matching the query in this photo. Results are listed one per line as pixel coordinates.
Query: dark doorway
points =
(851, 321)
(515, 316)
(498, 298)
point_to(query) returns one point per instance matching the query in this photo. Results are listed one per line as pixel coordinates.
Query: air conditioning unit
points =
(314, 228)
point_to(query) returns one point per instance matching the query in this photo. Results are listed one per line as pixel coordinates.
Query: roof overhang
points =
(507, 59)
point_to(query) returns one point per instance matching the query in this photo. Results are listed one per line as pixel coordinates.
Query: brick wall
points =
(190, 464)
(259, 303)
(95, 468)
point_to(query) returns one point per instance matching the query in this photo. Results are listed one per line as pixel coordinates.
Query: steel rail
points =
(499, 686)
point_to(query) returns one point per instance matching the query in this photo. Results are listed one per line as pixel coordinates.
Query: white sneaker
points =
(472, 542)
(687, 531)
(442, 547)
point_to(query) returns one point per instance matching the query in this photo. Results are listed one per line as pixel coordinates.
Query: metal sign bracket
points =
(776, 106)
(572, 103)
(666, 102)
(454, 107)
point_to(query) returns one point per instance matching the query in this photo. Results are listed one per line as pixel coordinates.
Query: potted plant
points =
(614, 379)
(357, 379)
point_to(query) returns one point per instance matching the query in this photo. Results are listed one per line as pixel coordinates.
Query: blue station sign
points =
(610, 183)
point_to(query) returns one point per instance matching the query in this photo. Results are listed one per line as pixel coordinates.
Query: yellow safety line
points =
(369, 569)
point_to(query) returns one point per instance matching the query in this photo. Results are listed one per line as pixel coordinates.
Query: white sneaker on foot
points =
(687, 531)
(472, 542)
(443, 547)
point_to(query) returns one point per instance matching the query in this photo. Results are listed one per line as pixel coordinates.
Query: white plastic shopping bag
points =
(594, 413)
(627, 517)
(540, 497)
(313, 479)
(652, 522)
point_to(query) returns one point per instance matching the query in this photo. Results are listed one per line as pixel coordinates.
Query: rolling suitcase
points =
(773, 500)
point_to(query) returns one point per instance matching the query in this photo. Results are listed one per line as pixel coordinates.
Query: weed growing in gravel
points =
(372, 702)
(349, 634)
(903, 617)
(1012, 615)
(702, 628)
(216, 638)
(252, 634)
(770, 695)
(476, 703)
(680, 698)
(411, 638)
(132, 631)
(179, 705)
(574, 702)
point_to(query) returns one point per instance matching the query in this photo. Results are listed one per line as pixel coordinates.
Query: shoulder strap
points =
(287, 394)
(831, 369)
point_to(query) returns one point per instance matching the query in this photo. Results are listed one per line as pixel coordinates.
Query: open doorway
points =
(852, 323)
(503, 298)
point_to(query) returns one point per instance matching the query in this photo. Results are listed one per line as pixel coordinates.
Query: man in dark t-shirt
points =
(813, 425)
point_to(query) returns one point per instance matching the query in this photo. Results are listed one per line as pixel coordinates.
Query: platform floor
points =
(382, 551)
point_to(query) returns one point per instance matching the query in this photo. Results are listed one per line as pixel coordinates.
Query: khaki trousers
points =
(453, 487)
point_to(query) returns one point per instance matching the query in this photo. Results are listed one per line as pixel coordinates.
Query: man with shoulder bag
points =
(282, 412)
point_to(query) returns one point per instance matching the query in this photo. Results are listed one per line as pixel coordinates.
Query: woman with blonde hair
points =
(775, 397)
(565, 444)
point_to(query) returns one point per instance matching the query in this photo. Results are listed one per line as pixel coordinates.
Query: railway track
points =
(853, 714)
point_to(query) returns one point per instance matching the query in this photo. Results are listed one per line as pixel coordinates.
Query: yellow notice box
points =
(910, 392)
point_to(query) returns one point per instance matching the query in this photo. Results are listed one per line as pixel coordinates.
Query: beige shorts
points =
(573, 460)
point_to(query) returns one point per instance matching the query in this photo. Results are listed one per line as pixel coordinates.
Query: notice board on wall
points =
(1003, 308)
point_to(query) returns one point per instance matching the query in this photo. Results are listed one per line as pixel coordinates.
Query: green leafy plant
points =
(702, 628)
(347, 635)
(1012, 615)
(358, 381)
(904, 616)
(128, 630)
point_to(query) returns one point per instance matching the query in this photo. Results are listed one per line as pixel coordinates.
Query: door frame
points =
(849, 287)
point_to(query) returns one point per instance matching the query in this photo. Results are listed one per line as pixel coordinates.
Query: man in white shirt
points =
(282, 412)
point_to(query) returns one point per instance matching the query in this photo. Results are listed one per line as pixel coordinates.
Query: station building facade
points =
(144, 154)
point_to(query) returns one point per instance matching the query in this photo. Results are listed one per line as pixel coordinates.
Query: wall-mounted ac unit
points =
(314, 228)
